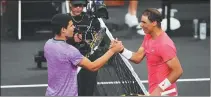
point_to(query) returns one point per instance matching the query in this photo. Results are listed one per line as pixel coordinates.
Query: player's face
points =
(77, 9)
(70, 30)
(146, 24)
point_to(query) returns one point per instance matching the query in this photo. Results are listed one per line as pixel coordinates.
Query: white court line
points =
(143, 81)
(24, 86)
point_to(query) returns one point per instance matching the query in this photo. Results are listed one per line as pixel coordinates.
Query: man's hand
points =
(116, 46)
(78, 37)
(112, 43)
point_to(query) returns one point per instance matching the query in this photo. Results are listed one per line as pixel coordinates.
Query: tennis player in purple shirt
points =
(63, 59)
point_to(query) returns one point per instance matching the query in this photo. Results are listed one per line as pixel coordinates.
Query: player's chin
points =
(146, 32)
(71, 35)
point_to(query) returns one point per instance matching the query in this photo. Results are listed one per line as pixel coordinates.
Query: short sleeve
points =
(167, 52)
(75, 56)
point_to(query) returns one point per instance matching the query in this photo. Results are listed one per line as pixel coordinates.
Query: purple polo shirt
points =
(62, 60)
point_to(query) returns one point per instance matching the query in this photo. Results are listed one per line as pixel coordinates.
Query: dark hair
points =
(153, 15)
(60, 21)
(56, 29)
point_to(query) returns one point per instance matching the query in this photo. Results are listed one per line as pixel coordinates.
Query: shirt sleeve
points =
(167, 52)
(75, 56)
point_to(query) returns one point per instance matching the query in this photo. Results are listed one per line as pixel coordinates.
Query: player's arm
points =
(135, 57)
(98, 63)
(168, 54)
(176, 72)
(94, 66)
(170, 57)
(176, 69)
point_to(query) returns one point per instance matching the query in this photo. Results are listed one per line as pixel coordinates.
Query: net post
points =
(19, 20)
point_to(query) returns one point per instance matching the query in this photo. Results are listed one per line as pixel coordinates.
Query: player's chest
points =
(152, 51)
(150, 47)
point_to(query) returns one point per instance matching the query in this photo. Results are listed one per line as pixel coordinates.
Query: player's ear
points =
(63, 30)
(154, 23)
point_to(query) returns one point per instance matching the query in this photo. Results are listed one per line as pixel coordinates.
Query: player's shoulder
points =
(167, 45)
(72, 50)
(166, 39)
(49, 45)
(48, 42)
(71, 47)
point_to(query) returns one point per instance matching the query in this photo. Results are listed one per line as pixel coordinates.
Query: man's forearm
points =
(174, 75)
(172, 78)
(167, 82)
(98, 63)
(135, 57)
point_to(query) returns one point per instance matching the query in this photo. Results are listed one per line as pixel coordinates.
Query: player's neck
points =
(156, 33)
(59, 37)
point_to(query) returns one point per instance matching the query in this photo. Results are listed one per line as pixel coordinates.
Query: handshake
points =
(116, 46)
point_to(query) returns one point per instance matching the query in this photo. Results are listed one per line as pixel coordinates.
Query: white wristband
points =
(127, 53)
(165, 84)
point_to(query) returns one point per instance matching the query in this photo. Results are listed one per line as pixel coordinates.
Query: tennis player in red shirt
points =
(163, 65)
